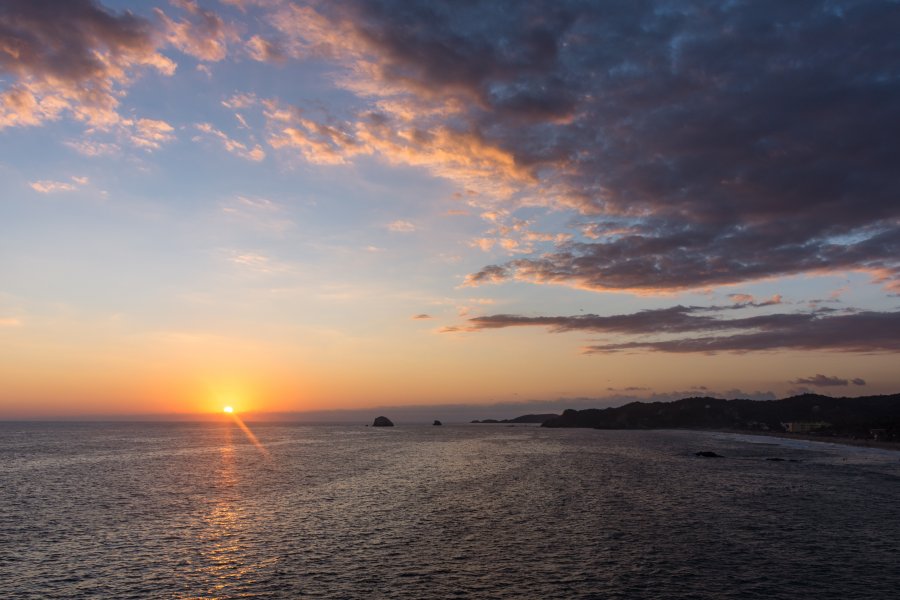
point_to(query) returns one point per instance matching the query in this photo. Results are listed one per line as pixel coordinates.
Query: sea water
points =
(137, 510)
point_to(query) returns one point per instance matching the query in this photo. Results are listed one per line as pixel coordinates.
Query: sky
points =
(310, 207)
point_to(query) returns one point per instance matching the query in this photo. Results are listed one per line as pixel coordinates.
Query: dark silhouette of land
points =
(523, 419)
(864, 417)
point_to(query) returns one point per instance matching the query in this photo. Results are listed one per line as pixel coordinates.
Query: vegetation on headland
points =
(864, 417)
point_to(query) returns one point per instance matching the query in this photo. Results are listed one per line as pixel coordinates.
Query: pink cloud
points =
(202, 35)
(71, 58)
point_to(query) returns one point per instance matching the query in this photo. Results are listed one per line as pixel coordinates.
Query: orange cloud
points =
(148, 134)
(203, 34)
(71, 58)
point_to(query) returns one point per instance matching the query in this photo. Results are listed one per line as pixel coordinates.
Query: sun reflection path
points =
(250, 435)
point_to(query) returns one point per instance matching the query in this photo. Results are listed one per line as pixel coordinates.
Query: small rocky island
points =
(382, 422)
(437, 423)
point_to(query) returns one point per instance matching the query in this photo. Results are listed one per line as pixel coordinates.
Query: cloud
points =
(239, 149)
(821, 381)
(202, 35)
(401, 226)
(10, 322)
(319, 143)
(263, 50)
(422, 316)
(675, 330)
(149, 134)
(71, 58)
(257, 262)
(259, 213)
(92, 147)
(701, 145)
(47, 186)
(744, 300)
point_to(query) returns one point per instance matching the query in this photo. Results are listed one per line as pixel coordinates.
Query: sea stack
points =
(382, 422)
(436, 422)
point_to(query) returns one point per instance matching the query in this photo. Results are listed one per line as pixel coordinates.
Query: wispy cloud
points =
(264, 50)
(88, 147)
(258, 213)
(401, 226)
(48, 186)
(257, 262)
(240, 149)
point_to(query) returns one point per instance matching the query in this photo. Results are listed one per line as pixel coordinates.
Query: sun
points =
(228, 409)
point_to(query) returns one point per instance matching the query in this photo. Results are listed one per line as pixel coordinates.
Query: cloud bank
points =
(827, 381)
(681, 329)
(699, 144)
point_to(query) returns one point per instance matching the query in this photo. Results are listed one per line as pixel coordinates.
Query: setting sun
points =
(228, 409)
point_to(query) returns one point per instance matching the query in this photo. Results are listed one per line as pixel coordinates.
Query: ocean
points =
(195, 510)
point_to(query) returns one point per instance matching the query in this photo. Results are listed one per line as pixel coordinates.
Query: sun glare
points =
(228, 409)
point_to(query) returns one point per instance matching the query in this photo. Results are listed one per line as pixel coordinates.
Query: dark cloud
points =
(60, 39)
(736, 141)
(820, 330)
(422, 316)
(821, 381)
(860, 332)
(70, 56)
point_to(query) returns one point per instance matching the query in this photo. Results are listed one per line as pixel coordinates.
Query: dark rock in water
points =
(436, 422)
(776, 459)
(708, 454)
(382, 422)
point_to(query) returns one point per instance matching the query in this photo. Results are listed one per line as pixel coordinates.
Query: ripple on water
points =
(195, 511)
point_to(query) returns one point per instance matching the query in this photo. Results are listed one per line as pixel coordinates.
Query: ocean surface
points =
(137, 510)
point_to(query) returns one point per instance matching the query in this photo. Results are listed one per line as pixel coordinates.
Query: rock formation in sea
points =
(436, 422)
(382, 422)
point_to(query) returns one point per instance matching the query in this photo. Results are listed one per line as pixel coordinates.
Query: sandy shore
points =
(820, 438)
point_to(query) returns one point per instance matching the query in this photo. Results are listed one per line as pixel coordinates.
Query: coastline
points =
(844, 441)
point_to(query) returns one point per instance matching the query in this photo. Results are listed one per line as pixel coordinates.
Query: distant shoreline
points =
(844, 441)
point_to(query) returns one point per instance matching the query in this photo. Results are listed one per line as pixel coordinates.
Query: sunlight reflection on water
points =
(196, 511)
